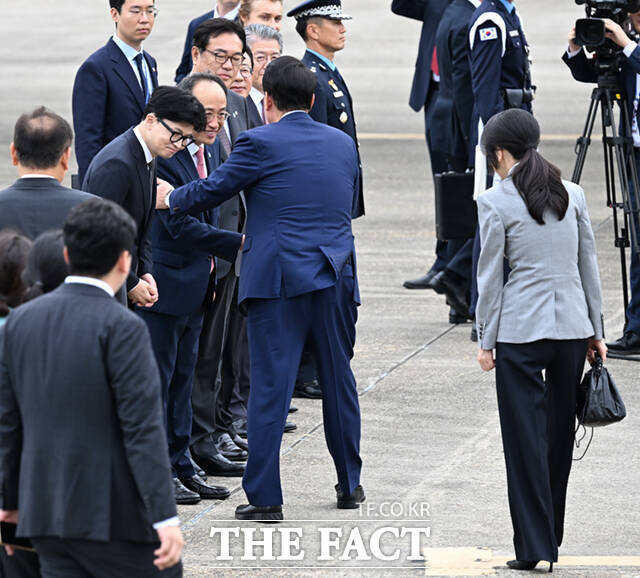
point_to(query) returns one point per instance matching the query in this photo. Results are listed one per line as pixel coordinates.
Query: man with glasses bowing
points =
(114, 84)
(124, 171)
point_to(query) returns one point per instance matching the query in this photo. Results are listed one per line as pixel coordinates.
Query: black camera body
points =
(590, 31)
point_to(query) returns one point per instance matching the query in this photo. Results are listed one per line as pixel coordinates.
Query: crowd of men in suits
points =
(187, 284)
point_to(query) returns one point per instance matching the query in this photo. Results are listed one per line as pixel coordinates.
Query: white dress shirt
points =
(130, 53)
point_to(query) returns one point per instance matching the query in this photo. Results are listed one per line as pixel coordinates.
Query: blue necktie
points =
(143, 79)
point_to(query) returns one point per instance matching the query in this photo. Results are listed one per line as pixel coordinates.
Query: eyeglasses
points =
(262, 58)
(137, 11)
(223, 115)
(222, 57)
(246, 72)
(176, 136)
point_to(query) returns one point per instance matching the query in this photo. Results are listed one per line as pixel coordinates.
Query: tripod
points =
(618, 160)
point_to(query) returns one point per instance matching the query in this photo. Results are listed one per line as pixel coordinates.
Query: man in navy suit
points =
(114, 84)
(298, 276)
(424, 92)
(124, 171)
(182, 264)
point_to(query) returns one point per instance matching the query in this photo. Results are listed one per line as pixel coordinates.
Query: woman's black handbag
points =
(599, 401)
(456, 211)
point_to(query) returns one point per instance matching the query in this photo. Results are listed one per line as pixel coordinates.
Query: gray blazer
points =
(553, 291)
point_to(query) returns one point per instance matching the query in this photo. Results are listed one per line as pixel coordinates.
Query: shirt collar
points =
(129, 52)
(256, 96)
(193, 148)
(476, 3)
(324, 59)
(509, 6)
(82, 280)
(292, 112)
(147, 153)
(37, 176)
(229, 15)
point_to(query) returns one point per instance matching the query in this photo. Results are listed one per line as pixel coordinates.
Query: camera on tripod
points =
(591, 31)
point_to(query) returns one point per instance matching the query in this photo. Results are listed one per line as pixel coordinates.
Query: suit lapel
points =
(184, 158)
(145, 174)
(123, 69)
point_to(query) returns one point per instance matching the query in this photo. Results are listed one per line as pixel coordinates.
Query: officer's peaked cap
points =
(319, 8)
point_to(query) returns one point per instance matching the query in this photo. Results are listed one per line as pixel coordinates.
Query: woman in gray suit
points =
(546, 318)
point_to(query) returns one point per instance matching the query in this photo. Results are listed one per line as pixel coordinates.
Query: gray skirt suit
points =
(539, 321)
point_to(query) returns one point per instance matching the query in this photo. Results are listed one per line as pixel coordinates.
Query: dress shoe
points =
(421, 282)
(184, 495)
(526, 564)
(308, 389)
(240, 427)
(241, 443)
(205, 491)
(259, 513)
(292, 409)
(456, 319)
(289, 427)
(628, 344)
(351, 501)
(225, 445)
(218, 465)
(474, 332)
(456, 292)
(198, 470)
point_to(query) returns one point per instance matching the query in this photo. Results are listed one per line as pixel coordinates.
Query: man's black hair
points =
(290, 83)
(213, 28)
(177, 105)
(96, 233)
(249, 52)
(41, 138)
(301, 25)
(188, 83)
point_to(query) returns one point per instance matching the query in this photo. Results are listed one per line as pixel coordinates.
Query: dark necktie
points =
(225, 142)
(143, 79)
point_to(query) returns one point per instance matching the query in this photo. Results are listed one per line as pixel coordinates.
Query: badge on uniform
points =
(333, 85)
(344, 117)
(489, 33)
(313, 69)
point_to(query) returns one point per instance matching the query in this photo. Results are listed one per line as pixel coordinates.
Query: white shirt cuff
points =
(175, 521)
(629, 48)
(572, 53)
(166, 199)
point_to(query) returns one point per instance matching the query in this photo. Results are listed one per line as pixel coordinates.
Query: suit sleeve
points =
(633, 61)
(239, 171)
(409, 8)
(490, 273)
(185, 65)
(89, 103)
(461, 78)
(135, 381)
(10, 433)
(588, 267)
(582, 68)
(486, 71)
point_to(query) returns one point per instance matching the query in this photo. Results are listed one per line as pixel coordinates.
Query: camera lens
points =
(590, 32)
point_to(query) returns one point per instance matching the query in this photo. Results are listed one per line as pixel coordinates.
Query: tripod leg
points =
(583, 142)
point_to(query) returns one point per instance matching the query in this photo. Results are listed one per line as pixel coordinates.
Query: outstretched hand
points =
(164, 188)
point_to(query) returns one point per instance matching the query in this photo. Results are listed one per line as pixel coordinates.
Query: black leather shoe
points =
(225, 445)
(456, 292)
(526, 564)
(308, 389)
(218, 465)
(184, 495)
(351, 501)
(240, 427)
(628, 344)
(292, 409)
(456, 319)
(242, 444)
(289, 427)
(259, 513)
(421, 282)
(205, 491)
(199, 471)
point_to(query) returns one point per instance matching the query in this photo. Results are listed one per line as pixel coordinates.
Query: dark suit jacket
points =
(453, 109)
(429, 13)
(254, 114)
(299, 216)
(182, 248)
(36, 205)
(119, 172)
(83, 451)
(107, 100)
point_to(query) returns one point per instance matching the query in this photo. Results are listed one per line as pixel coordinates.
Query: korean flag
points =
(489, 33)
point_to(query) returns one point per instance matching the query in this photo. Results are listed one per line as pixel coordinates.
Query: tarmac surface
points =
(433, 462)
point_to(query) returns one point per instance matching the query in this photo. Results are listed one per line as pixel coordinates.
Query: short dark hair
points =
(213, 28)
(249, 53)
(301, 25)
(14, 252)
(189, 83)
(177, 105)
(41, 138)
(290, 83)
(96, 233)
(117, 4)
(46, 267)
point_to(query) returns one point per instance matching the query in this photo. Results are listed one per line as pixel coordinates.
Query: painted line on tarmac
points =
(420, 136)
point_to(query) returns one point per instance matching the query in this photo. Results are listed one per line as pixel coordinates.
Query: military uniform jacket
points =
(333, 106)
(499, 57)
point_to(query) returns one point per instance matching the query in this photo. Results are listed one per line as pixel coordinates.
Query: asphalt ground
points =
(430, 434)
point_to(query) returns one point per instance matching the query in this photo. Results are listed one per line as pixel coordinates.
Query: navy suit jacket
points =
(182, 247)
(299, 235)
(119, 172)
(107, 100)
(429, 13)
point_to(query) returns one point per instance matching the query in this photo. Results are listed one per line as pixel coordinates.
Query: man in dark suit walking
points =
(114, 84)
(41, 149)
(124, 171)
(182, 264)
(298, 276)
(96, 497)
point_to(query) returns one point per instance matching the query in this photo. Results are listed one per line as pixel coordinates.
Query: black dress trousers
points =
(537, 419)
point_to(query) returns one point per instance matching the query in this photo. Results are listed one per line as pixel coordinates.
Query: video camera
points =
(590, 31)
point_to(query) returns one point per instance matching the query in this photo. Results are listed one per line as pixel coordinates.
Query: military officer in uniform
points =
(319, 22)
